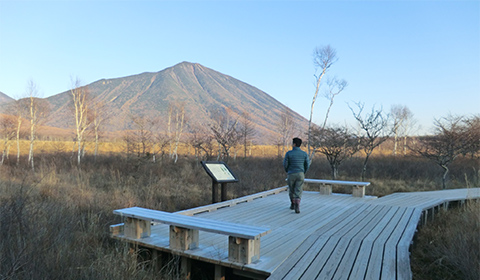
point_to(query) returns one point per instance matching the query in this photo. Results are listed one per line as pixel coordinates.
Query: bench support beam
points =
(135, 228)
(242, 250)
(183, 238)
(326, 189)
(358, 191)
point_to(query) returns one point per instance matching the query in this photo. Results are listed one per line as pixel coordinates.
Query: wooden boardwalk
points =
(334, 237)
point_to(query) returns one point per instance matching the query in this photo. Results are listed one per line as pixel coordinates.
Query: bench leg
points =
(326, 189)
(183, 238)
(243, 251)
(358, 191)
(135, 228)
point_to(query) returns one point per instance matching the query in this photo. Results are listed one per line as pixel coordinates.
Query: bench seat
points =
(358, 188)
(244, 240)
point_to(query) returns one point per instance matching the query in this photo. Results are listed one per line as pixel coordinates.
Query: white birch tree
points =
(38, 109)
(81, 104)
(323, 59)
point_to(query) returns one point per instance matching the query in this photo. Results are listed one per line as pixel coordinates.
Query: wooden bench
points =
(243, 240)
(326, 186)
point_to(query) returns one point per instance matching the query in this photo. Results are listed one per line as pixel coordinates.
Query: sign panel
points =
(219, 171)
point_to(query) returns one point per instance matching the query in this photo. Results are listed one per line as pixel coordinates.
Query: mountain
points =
(5, 98)
(203, 92)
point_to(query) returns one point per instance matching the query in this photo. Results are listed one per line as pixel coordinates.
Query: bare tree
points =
(20, 109)
(202, 143)
(100, 114)
(409, 124)
(335, 87)
(337, 143)
(400, 116)
(323, 59)
(375, 131)
(450, 140)
(176, 114)
(81, 105)
(247, 130)
(225, 131)
(7, 130)
(141, 139)
(38, 109)
(473, 135)
(286, 128)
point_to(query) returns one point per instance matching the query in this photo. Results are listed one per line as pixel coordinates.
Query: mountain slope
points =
(202, 90)
(5, 98)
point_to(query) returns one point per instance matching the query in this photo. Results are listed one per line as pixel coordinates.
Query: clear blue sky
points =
(421, 54)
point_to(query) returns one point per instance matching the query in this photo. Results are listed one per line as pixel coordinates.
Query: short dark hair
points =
(297, 141)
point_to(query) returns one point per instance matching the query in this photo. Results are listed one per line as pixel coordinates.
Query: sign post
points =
(220, 173)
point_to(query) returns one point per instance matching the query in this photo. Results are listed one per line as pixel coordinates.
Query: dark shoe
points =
(292, 205)
(297, 206)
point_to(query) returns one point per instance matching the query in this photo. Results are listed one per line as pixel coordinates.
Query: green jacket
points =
(296, 161)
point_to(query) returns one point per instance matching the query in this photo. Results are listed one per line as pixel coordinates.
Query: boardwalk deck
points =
(334, 237)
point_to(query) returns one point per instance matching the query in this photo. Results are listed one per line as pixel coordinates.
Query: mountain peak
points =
(201, 90)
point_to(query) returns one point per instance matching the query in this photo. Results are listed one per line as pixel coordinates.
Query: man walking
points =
(296, 163)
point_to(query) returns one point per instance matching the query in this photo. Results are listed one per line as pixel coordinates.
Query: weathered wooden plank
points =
(389, 264)
(376, 257)
(403, 255)
(330, 257)
(345, 266)
(364, 254)
(307, 251)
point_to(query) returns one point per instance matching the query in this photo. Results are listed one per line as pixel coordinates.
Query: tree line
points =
(228, 131)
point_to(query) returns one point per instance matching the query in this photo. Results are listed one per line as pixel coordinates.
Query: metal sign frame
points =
(219, 171)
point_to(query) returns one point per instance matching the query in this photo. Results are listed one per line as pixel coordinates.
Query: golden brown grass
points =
(449, 248)
(54, 222)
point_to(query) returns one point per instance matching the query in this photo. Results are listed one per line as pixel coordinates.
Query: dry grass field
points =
(54, 221)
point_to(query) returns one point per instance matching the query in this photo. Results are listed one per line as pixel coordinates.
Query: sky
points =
(424, 55)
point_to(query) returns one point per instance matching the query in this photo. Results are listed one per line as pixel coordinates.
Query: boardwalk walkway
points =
(368, 241)
(335, 236)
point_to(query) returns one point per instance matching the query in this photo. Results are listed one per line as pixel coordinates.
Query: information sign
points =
(219, 171)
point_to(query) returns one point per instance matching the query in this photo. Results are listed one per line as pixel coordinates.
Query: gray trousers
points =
(295, 185)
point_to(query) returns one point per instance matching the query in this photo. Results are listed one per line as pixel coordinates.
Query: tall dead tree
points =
(375, 131)
(80, 97)
(323, 59)
(247, 131)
